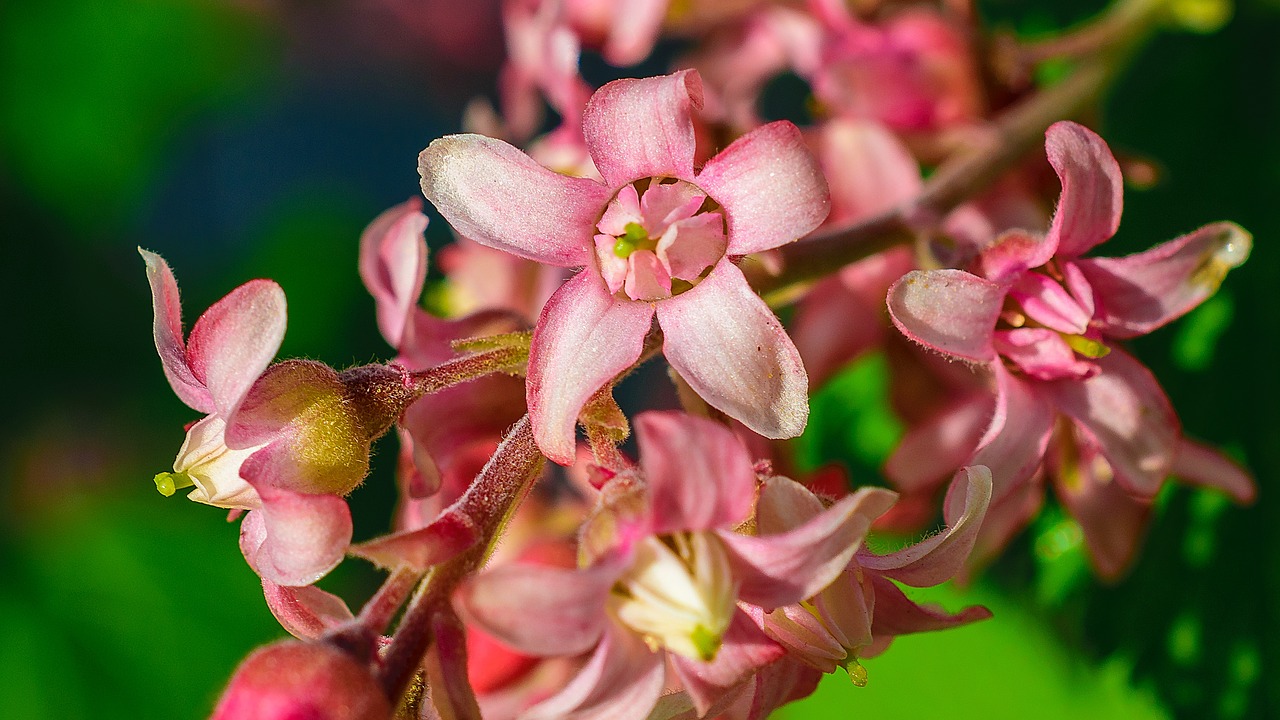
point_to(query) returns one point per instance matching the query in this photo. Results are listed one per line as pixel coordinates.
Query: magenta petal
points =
(540, 610)
(896, 614)
(950, 311)
(1013, 253)
(635, 28)
(745, 650)
(637, 128)
(938, 558)
(393, 265)
(783, 504)
(234, 341)
(1139, 293)
(932, 449)
(420, 549)
(496, 195)
(295, 539)
(785, 568)
(698, 473)
(306, 612)
(770, 187)
(1041, 353)
(1014, 444)
(731, 349)
(1204, 466)
(167, 329)
(584, 338)
(622, 681)
(1048, 303)
(1092, 189)
(1126, 410)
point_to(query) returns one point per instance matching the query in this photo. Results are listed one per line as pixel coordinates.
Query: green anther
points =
(1086, 347)
(623, 248)
(857, 673)
(707, 643)
(170, 482)
(634, 237)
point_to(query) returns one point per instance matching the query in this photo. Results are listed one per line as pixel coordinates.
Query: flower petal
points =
(1041, 353)
(496, 195)
(896, 614)
(785, 568)
(1141, 292)
(770, 186)
(783, 504)
(1092, 189)
(638, 128)
(938, 558)
(1201, 465)
(727, 344)
(622, 681)
(584, 338)
(234, 341)
(393, 265)
(745, 650)
(306, 612)
(869, 169)
(698, 474)
(295, 539)
(1048, 303)
(447, 536)
(950, 311)
(934, 448)
(167, 329)
(1013, 446)
(1013, 253)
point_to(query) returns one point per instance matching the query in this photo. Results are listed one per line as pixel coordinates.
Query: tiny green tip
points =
(706, 642)
(170, 482)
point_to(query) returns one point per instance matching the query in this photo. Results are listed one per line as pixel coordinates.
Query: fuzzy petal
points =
(868, 167)
(1141, 292)
(731, 349)
(932, 449)
(1204, 466)
(745, 650)
(783, 504)
(698, 473)
(788, 567)
(896, 614)
(167, 329)
(693, 245)
(306, 612)
(234, 341)
(584, 338)
(393, 265)
(622, 681)
(950, 311)
(1131, 417)
(1049, 304)
(938, 558)
(1092, 189)
(1014, 444)
(420, 549)
(1013, 253)
(770, 186)
(295, 539)
(496, 195)
(638, 128)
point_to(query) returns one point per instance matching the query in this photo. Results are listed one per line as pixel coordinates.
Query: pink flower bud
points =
(295, 680)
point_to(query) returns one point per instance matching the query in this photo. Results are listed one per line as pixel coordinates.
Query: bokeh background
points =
(257, 138)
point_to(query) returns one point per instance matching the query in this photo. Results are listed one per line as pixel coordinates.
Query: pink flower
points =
(291, 680)
(1045, 321)
(664, 572)
(655, 238)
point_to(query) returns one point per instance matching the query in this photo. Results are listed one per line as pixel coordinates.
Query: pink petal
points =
(1204, 466)
(846, 607)
(420, 549)
(584, 338)
(868, 168)
(1139, 293)
(950, 311)
(693, 245)
(167, 329)
(783, 504)
(234, 341)
(1048, 303)
(496, 195)
(1013, 446)
(785, 568)
(1042, 354)
(806, 635)
(540, 610)
(938, 558)
(1092, 189)
(770, 187)
(831, 327)
(306, 612)
(613, 269)
(634, 30)
(1127, 411)
(445, 666)
(1013, 253)
(622, 681)
(638, 128)
(647, 278)
(393, 265)
(727, 344)
(780, 683)
(896, 614)
(745, 650)
(1006, 517)
(622, 210)
(295, 539)
(667, 203)
(931, 450)
(699, 475)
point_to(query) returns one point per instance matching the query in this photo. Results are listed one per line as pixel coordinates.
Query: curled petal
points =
(295, 539)
(449, 535)
(234, 341)
(622, 681)
(731, 349)
(1206, 467)
(785, 568)
(1012, 253)
(1013, 446)
(896, 614)
(745, 650)
(1041, 353)
(784, 504)
(1092, 189)
(637, 128)
(1141, 292)
(496, 195)
(770, 186)
(699, 475)
(950, 311)
(584, 338)
(167, 329)
(306, 612)
(393, 265)
(938, 558)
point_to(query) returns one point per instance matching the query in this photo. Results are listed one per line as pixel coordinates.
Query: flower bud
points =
(295, 680)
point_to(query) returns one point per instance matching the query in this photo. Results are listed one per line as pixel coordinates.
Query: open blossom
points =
(655, 238)
(664, 571)
(1045, 321)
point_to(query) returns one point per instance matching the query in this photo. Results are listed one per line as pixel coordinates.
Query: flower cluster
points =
(703, 571)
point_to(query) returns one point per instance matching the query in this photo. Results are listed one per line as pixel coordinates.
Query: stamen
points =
(1086, 347)
(170, 482)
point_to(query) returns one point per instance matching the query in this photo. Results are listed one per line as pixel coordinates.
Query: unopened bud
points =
(296, 680)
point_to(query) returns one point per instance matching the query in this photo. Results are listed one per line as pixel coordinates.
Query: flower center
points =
(657, 238)
(206, 462)
(679, 594)
(1045, 328)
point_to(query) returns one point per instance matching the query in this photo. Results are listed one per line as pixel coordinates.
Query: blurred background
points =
(256, 139)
